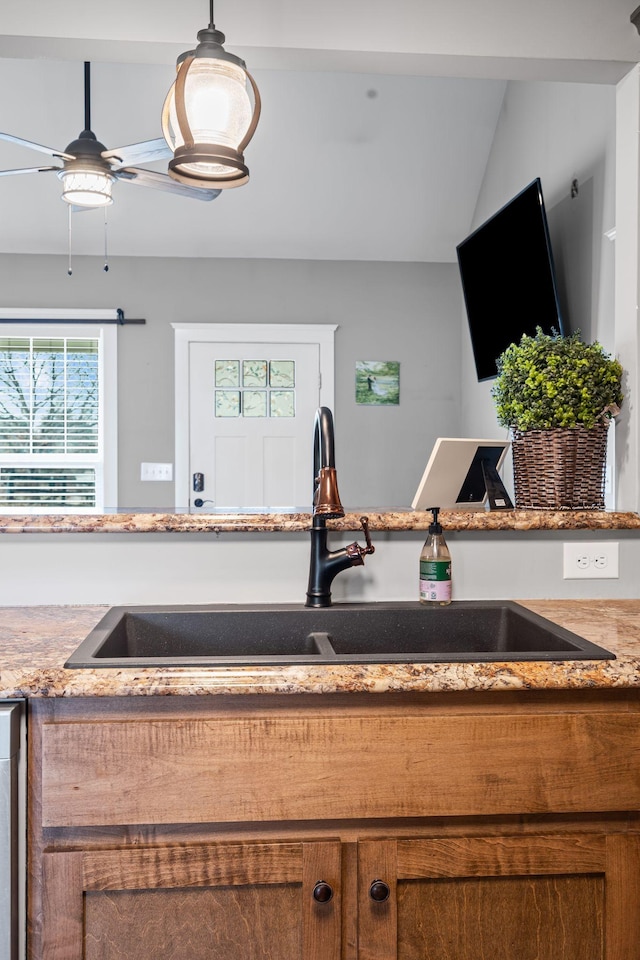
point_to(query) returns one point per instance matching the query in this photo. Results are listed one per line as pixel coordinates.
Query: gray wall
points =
(263, 568)
(558, 132)
(408, 312)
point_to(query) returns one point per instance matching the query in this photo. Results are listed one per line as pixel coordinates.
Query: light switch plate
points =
(591, 561)
(156, 471)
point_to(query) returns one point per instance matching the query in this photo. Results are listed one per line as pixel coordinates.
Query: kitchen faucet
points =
(326, 564)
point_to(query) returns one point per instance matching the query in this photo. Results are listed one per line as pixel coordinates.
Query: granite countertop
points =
(379, 520)
(35, 642)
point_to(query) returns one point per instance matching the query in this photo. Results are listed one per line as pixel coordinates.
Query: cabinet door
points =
(574, 896)
(247, 901)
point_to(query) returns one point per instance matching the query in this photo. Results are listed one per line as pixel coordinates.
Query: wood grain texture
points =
(321, 922)
(516, 918)
(623, 897)
(506, 828)
(500, 856)
(233, 923)
(251, 901)
(349, 900)
(192, 865)
(377, 922)
(62, 907)
(490, 898)
(416, 765)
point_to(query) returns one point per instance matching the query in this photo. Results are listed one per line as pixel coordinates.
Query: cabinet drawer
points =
(321, 765)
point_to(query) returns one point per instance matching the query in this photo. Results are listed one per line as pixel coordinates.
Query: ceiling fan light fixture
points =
(208, 117)
(86, 188)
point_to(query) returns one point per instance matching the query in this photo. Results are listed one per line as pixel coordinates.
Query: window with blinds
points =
(50, 423)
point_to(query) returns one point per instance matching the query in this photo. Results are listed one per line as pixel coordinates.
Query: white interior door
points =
(251, 415)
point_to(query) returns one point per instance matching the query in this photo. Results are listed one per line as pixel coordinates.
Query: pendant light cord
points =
(211, 25)
(87, 96)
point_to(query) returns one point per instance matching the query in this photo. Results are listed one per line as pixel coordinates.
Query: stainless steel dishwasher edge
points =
(11, 828)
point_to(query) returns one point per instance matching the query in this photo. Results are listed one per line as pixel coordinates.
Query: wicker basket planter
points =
(561, 468)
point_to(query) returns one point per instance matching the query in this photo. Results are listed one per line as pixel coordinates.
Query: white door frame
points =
(188, 333)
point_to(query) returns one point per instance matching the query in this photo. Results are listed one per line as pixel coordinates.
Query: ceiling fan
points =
(88, 169)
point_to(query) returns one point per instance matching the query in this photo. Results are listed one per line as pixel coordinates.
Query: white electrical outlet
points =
(590, 561)
(156, 471)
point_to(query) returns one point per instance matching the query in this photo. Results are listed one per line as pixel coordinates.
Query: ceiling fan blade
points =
(142, 152)
(9, 173)
(36, 146)
(160, 181)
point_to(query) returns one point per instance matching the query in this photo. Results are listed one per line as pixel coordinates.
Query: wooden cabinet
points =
(210, 901)
(456, 827)
(569, 896)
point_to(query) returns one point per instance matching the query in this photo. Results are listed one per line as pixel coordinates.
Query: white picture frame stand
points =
(462, 474)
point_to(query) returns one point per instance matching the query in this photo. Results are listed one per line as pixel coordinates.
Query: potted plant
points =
(558, 395)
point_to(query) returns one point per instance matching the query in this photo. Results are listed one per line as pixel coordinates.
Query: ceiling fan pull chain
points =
(69, 270)
(106, 252)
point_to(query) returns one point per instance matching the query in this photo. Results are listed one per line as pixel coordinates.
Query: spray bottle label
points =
(435, 580)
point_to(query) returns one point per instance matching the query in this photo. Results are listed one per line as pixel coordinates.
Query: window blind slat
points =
(23, 487)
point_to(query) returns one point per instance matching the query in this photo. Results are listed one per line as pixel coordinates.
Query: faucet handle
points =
(355, 552)
(364, 522)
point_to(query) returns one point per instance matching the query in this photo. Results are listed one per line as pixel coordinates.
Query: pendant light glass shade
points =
(86, 188)
(218, 111)
(208, 118)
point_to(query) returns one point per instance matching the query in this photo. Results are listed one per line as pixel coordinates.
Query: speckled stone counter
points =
(35, 642)
(299, 522)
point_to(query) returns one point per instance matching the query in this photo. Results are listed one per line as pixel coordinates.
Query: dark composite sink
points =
(403, 632)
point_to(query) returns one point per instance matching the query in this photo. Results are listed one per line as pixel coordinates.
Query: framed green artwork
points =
(378, 382)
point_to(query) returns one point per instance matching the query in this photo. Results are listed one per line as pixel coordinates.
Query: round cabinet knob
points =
(322, 892)
(379, 891)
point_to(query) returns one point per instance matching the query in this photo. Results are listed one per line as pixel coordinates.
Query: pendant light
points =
(207, 117)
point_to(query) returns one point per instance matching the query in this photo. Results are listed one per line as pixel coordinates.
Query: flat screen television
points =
(508, 278)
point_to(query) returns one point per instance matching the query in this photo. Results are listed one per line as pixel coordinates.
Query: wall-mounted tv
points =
(508, 278)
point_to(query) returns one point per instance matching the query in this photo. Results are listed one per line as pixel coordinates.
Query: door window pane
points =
(282, 373)
(254, 373)
(227, 373)
(227, 403)
(283, 403)
(254, 403)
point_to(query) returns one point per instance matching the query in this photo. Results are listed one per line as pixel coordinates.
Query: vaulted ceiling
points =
(377, 118)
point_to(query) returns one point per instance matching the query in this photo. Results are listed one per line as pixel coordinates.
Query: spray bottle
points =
(435, 566)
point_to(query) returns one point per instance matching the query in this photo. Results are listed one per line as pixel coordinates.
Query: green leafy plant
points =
(549, 381)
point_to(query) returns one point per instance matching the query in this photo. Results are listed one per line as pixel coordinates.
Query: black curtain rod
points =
(121, 320)
(61, 321)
